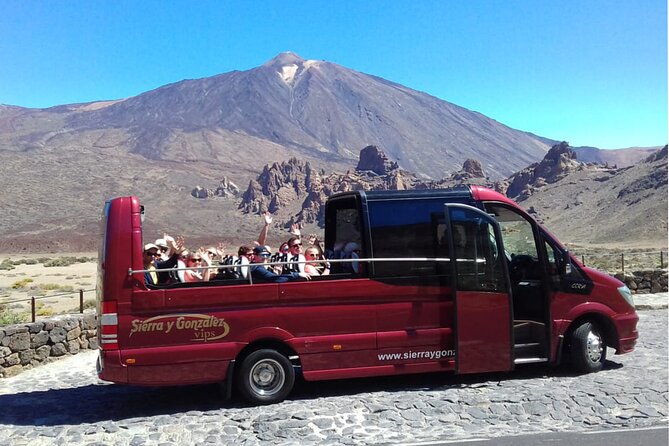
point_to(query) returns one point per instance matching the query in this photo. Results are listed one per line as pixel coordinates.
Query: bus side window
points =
(408, 229)
(478, 262)
(343, 235)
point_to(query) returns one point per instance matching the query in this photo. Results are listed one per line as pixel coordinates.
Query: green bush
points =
(19, 284)
(55, 287)
(9, 317)
(43, 310)
(68, 260)
(88, 304)
(6, 265)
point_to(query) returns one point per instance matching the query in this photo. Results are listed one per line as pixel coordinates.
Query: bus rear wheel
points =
(588, 348)
(265, 377)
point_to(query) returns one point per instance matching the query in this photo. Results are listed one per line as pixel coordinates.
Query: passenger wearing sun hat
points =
(158, 270)
(163, 248)
(150, 253)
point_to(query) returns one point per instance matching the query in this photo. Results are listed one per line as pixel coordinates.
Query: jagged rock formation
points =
(598, 204)
(279, 186)
(470, 169)
(226, 189)
(374, 159)
(558, 162)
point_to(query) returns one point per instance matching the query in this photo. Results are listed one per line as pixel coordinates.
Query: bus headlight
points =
(627, 295)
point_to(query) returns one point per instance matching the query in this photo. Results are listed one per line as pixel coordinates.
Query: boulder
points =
(58, 349)
(19, 341)
(374, 159)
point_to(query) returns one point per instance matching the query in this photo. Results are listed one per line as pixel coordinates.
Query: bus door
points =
(482, 298)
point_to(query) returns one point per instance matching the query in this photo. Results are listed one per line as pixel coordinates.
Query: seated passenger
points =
(294, 256)
(195, 261)
(315, 265)
(181, 264)
(163, 245)
(281, 255)
(234, 268)
(262, 274)
(352, 251)
(158, 271)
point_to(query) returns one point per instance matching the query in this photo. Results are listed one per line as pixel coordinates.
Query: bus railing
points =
(321, 262)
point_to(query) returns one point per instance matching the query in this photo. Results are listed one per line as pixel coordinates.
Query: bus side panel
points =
(366, 316)
(180, 319)
(341, 312)
(175, 365)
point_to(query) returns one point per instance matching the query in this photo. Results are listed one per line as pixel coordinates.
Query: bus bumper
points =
(110, 368)
(627, 332)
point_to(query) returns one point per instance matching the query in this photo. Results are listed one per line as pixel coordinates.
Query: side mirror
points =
(141, 213)
(565, 264)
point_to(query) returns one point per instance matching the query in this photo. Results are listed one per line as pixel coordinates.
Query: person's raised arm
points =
(204, 254)
(265, 229)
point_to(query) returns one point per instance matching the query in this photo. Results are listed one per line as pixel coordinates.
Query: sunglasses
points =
(296, 244)
(152, 254)
(197, 260)
(265, 255)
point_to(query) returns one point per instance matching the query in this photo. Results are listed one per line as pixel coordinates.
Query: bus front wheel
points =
(265, 377)
(588, 348)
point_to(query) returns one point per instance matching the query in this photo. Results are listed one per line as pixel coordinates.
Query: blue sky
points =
(590, 72)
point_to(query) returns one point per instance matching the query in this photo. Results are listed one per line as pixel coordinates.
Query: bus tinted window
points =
(479, 263)
(405, 229)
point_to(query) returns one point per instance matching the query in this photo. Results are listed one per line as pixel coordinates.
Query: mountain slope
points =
(317, 110)
(602, 205)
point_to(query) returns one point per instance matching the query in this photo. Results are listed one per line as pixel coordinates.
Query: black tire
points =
(265, 377)
(588, 348)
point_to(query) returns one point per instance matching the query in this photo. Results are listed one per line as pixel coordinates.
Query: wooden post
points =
(622, 260)
(661, 259)
(583, 259)
(81, 301)
(32, 308)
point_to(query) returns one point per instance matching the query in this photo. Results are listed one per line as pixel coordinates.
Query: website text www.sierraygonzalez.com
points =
(428, 354)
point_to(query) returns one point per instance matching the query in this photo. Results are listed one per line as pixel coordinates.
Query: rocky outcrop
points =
(225, 189)
(471, 169)
(657, 156)
(280, 186)
(277, 185)
(23, 346)
(374, 159)
(558, 162)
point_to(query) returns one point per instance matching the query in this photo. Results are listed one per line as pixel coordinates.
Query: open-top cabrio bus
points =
(459, 280)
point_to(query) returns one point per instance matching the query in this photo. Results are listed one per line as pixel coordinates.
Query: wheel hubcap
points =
(595, 346)
(267, 377)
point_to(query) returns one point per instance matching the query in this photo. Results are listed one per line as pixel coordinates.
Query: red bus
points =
(459, 280)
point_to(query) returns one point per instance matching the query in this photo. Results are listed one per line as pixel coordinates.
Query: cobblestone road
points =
(64, 403)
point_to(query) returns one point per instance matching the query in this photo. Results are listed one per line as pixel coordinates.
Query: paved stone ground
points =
(64, 403)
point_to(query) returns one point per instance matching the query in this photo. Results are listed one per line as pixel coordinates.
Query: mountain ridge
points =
(59, 165)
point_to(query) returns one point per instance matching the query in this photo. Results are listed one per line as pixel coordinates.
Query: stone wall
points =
(644, 282)
(23, 346)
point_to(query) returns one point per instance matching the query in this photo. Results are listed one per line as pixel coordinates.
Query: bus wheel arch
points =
(264, 373)
(587, 340)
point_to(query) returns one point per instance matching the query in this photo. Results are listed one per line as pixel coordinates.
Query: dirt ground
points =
(61, 282)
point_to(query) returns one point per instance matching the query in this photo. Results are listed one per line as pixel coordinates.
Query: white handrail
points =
(368, 260)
